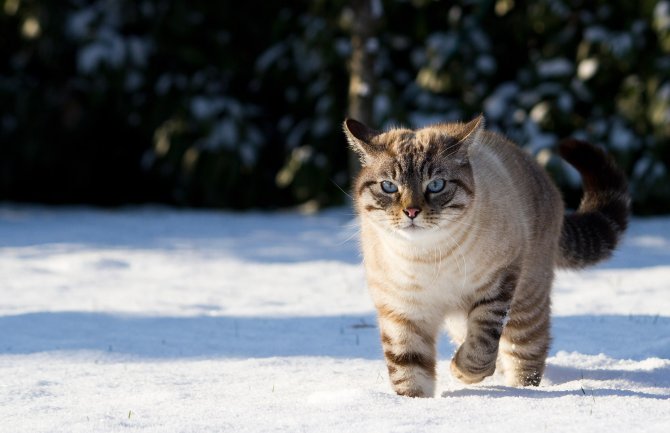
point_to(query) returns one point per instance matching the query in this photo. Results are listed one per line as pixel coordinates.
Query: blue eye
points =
(436, 185)
(389, 187)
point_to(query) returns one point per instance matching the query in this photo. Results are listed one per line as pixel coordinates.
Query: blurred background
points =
(239, 104)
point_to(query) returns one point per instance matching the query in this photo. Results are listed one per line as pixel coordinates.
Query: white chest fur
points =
(431, 274)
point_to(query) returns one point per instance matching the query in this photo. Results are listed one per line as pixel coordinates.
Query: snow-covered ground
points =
(157, 320)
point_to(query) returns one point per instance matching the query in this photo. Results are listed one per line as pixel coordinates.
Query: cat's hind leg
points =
(476, 358)
(525, 340)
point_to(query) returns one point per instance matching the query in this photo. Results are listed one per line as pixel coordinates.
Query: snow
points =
(558, 67)
(587, 69)
(159, 320)
(620, 136)
(498, 103)
(107, 49)
(270, 56)
(376, 9)
(662, 16)
(540, 111)
(80, 24)
(486, 64)
(619, 43)
(206, 108)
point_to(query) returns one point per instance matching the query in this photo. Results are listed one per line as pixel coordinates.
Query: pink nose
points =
(412, 212)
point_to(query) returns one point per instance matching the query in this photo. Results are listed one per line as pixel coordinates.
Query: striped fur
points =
(479, 252)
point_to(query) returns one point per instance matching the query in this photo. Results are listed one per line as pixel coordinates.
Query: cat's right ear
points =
(361, 139)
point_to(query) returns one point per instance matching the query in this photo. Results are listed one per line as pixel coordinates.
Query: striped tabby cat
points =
(460, 226)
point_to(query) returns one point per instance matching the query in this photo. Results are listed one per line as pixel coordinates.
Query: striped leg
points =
(409, 348)
(476, 358)
(525, 340)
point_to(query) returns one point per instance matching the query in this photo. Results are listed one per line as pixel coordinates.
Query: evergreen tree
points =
(236, 104)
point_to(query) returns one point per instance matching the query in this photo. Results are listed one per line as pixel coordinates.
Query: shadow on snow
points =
(279, 237)
(588, 393)
(348, 336)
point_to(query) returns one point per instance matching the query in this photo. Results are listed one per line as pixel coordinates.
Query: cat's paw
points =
(419, 386)
(468, 371)
(414, 393)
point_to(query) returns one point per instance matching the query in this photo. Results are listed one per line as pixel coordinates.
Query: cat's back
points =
(511, 184)
(503, 166)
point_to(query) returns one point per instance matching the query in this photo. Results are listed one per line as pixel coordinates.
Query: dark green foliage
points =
(239, 104)
(193, 103)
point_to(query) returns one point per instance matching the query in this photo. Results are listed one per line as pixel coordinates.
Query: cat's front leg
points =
(409, 349)
(476, 358)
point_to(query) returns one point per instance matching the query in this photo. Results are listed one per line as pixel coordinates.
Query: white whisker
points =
(340, 188)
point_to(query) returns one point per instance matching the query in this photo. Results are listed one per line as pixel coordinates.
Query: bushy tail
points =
(591, 233)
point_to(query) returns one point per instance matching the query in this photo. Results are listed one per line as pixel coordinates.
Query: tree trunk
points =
(364, 46)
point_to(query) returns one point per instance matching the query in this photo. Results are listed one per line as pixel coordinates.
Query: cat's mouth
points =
(411, 231)
(412, 227)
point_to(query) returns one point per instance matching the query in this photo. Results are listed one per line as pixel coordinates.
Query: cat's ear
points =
(465, 135)
(361, 138)
(468, 135)
(471, 131)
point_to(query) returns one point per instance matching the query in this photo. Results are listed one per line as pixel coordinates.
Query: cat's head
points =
(414, 182)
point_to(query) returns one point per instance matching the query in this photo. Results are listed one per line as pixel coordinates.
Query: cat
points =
(460, 227)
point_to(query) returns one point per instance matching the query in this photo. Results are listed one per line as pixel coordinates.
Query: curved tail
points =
(590, 234)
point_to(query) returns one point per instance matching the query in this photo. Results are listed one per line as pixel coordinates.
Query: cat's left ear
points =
(361, 139)
(471, 131)
(468, 135)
